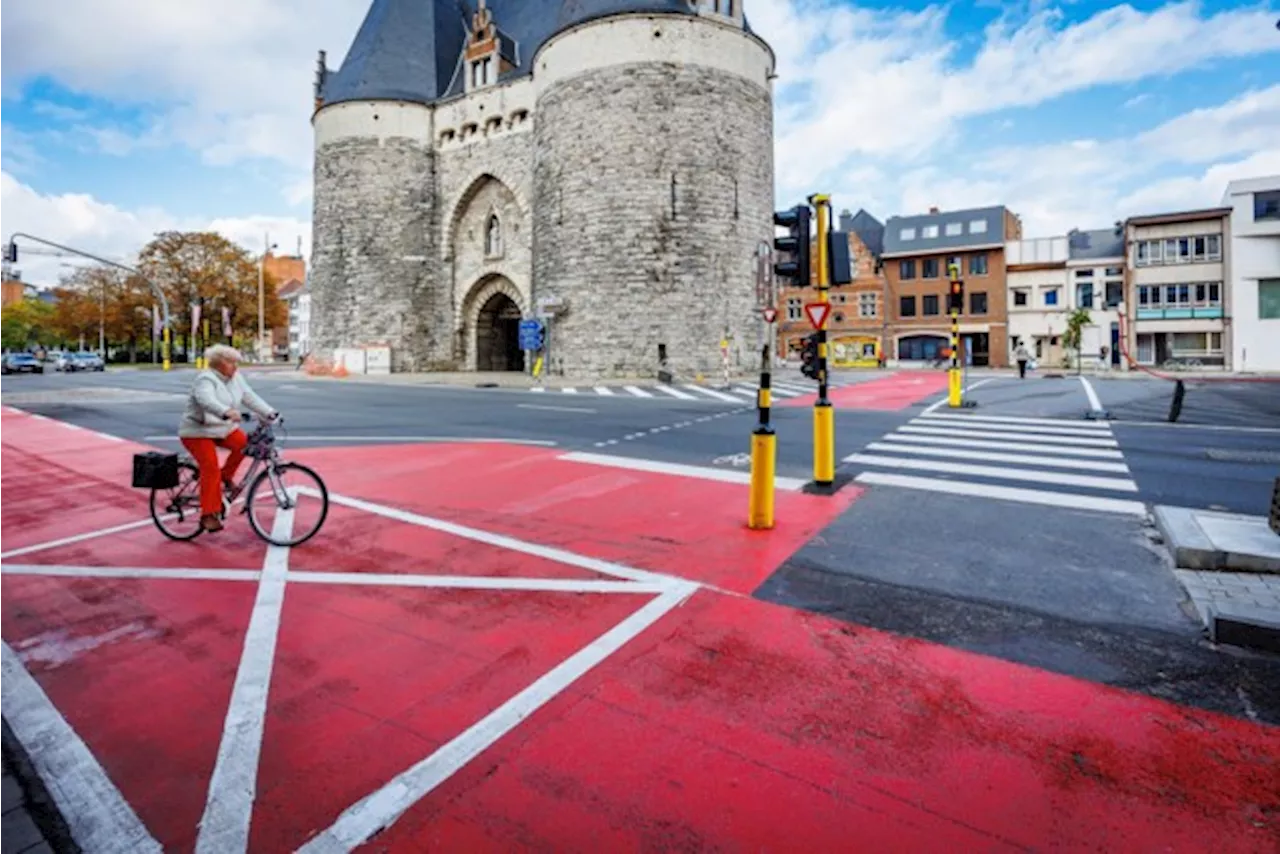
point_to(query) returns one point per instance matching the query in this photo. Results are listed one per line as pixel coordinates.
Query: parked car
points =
(84, 362)
(56, 358)
(22, 363)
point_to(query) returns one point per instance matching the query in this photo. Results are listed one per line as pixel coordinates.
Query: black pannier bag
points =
(155, 470)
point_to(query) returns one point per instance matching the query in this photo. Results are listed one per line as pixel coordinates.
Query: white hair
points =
(221, 353)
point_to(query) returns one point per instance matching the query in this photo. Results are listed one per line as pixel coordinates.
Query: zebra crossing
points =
(1047, 461)
(738, 393)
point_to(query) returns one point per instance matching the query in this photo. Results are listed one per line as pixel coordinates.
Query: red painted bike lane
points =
(491, 647)
(889, 393)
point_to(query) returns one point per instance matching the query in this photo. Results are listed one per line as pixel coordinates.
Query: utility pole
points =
(262, 306)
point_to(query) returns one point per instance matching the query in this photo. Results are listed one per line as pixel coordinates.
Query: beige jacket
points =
(211, 396)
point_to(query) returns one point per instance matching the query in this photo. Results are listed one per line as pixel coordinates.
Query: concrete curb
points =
(1241, 625)
(1193, 548)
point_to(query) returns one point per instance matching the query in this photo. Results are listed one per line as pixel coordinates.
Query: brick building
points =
(857, 322)
(287, 272)
(917, 251)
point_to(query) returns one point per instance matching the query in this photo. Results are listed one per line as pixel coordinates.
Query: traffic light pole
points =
(824, 444)
(954, 387)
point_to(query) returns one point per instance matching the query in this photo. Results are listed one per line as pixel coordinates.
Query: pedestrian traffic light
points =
(955, 297)
(794, 270)
(809, 357)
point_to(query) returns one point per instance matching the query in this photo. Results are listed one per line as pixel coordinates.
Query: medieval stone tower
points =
(609, 162)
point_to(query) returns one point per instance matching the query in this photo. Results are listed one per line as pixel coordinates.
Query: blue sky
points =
(120, 119)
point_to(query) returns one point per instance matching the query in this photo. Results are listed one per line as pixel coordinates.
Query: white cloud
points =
(79, 221)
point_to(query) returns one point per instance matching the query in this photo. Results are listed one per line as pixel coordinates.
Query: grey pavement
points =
(21, 832)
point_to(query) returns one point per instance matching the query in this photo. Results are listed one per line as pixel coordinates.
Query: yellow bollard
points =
(166, 348)
(824, 444)
(953, 388)
(764, 458)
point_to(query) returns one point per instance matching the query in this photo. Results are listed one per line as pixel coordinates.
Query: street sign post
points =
(770, 315)
(817, 313)
(531, 334)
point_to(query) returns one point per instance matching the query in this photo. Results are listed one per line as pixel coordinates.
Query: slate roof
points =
(920, 245)
(411, 50)
(869, 230)
(1095, 243)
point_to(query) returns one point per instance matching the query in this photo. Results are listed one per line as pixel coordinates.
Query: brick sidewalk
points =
(21, 834)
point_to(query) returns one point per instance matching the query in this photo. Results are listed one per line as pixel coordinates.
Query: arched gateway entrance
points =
(498, 335)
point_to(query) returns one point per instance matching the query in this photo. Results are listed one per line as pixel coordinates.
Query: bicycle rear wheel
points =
(287, 488)
(176, 511)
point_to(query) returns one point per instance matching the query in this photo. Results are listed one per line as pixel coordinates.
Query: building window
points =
(1084, 274)
(493, 237)
(1266, 206)
(953, 228)
(978, 302)
(1269, 299)
(1084, 295)
(868, 305)
(907, 306)
(907, 234)
(929, 231)
(978, 264)
(480, 72)
(794, 309)
(929, 268)
(1115, 293)
(1197, 248)
(1020, 298)
(978, 226)
(1051, 296)
(907, 269)
(929, 304)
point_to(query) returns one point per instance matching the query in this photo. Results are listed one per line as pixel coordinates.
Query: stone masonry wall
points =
(653, 183)
(492, 173)
(374, 254)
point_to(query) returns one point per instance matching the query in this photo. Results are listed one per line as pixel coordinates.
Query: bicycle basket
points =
(155, 470)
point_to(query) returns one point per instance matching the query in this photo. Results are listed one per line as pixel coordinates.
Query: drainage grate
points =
(1224, 455)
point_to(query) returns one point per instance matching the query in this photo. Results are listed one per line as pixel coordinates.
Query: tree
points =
(204, 267)
(1072, 338)
(27, 323)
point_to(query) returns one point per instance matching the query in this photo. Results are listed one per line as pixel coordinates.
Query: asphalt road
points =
(1058, 573)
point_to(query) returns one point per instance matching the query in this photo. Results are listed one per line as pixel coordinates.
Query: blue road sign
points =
(531, 334)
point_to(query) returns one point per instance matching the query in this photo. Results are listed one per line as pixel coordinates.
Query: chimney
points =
(933, 210)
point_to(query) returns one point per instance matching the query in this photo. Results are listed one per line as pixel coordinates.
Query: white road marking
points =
(710, 392)
(502, 541)
(1007, 420)
(1019, 437)
(992, 456)
(604, 390)
(1094, 403)
(536, 389)
(674, 392)
(224, 827)
(1069, 430)
(1184, 426)
(997, 472)
(383, 807)
(637, 391)
(569, 390)
(943, 402)
(62, 571)
(474, 582)
(66, 541)
(1007, 446)
(97, 815)
(1005, 493)
(658, 467)
(466, 439)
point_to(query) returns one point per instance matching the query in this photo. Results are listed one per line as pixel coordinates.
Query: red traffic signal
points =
(955, 297)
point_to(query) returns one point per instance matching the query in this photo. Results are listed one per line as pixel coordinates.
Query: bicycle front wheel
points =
(287, 504)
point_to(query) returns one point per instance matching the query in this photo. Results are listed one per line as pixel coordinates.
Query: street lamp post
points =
(262, 306)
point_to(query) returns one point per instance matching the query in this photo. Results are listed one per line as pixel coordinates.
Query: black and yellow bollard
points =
(955, 305)
(764, 457)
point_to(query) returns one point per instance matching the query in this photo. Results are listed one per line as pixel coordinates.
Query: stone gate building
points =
(607, 161)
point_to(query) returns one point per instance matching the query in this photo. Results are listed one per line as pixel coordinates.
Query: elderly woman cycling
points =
(211, 420)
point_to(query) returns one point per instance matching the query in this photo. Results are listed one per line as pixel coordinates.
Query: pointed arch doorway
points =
(493, 327)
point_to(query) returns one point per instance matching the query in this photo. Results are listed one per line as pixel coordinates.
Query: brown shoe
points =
(211, 522)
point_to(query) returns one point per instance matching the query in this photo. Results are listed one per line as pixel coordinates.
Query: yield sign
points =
(770, 315)
(817, 312)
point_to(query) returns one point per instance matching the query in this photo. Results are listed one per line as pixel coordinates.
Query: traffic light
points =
(795, 244)
(955, 297)
(809, 357)
(11, 252)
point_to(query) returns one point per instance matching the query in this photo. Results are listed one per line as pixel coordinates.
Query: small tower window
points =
(493, 237)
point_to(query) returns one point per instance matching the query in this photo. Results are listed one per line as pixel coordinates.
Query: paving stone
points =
(19, 832)
(12, 793)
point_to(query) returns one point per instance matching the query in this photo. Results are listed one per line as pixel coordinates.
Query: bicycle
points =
(177, 494)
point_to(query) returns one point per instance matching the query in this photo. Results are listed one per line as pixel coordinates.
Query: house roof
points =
(992, 233)
(411, 50)
(1179, 216)
(289, 288)
(869, 229)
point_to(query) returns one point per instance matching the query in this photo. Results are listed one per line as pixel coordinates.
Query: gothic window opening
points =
(493, 237)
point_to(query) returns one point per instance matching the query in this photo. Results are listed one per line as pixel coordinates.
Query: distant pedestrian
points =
(1023, 355)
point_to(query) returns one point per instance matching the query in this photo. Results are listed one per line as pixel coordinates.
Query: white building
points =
(1177, 295)
(299, 302)
(1254, 253)
(1095, 270)
(1036, 273)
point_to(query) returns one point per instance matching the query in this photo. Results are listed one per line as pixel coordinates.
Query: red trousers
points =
(211, 476)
